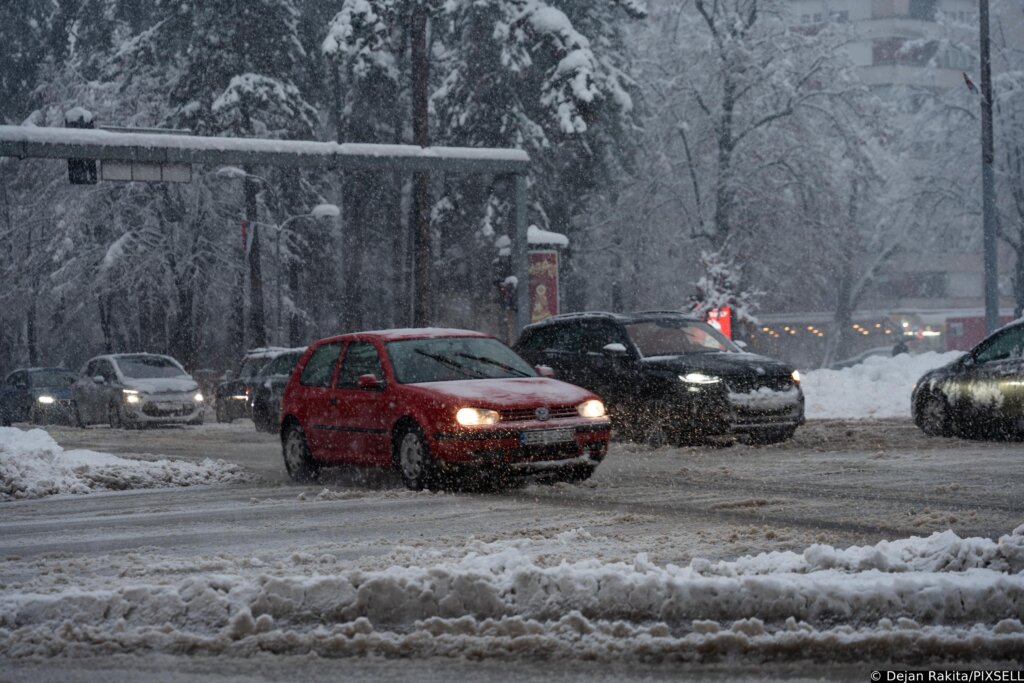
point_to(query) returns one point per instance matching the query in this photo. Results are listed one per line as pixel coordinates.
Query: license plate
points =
(543, 437)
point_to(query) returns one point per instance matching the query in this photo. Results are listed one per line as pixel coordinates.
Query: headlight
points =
(198, 398)
(796, 376)
(474, 417)
(591, 408)
(132, 398)
(45, 400)
(700, 378)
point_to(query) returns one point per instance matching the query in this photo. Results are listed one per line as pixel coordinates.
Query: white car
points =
(135, 389)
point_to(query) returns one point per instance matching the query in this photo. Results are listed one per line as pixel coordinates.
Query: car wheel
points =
(34, 417)
(76, 415)
(299, 462)
(261, 420)
(933, 416)
(413, 460)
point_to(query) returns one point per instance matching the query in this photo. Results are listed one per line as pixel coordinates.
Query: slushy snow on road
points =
(33, 465)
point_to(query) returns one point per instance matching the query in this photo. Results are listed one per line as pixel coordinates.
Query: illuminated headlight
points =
(796, 376)
(239, 397)
(700, 378)
(198, 398)
(474, 417)
(591, 408)
(131, 396)
(45, 400)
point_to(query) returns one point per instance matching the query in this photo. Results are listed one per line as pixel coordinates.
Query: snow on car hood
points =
(721, 364)
(162, 385)
(514, 392)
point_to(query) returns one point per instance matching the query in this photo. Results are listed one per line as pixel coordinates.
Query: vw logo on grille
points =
(542, 413)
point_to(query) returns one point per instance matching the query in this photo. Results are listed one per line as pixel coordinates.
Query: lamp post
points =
(320, 211)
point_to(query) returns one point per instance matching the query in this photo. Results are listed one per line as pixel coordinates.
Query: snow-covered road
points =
(666, 556)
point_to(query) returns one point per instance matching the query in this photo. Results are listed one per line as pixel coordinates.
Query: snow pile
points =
(920, 597)
(879, 387)
(32, 465)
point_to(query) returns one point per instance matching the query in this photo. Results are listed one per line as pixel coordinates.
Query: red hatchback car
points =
(434, 403)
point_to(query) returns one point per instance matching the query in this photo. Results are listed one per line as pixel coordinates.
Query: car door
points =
(313, 396)
(277, 379)
(558, 347)
(83, 393)
(359, 414)
(992, 383)
(607, 363)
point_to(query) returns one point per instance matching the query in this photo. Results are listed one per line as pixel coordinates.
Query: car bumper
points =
(58, 411)
(520, 448)
(722, 414)
(170, 409)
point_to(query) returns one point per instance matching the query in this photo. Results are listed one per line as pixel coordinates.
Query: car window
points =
(52, 378)
(542, 339)
(1009, 344)
(596, 335)
(445, 359)
(251, 367)
(320, 366)
(673, 337)
(148, 367)
(106, 369)
(10, 380)
(360, 359)
(282, 365)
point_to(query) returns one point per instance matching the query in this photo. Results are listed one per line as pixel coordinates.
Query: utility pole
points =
(423, 247)
(256, 316)
(988, 187)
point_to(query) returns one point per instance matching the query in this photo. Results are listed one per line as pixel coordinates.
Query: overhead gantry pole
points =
(27, 142)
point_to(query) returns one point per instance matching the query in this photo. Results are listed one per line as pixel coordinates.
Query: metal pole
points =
(421, 194)
(277, 263)
(988, 187)
(520, 257)
(256, 314)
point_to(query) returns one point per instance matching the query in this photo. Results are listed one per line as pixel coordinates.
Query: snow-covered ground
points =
(879, 387)
(916, 598)
(33, 465)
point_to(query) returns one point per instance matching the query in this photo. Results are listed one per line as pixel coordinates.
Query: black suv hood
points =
(721, 364)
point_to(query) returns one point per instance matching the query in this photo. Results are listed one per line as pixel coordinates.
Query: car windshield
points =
(149, 367)
(454, 358)
(53, 378)
(674, 337)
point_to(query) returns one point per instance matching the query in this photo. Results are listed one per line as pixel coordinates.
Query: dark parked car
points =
(231, 398)
(667, 376)
(37, 395)
(433, 404)
(979, 394)
(267, 387)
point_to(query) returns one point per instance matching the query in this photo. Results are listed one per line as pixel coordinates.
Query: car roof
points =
(269, 352)
(622, 318)
(31, 370)
(140, 354)
(402, 334)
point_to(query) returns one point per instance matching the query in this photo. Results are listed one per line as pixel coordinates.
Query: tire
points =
(76, 415)
(261, 420)
(767, 437)
(933, 416)
(33, 417)
(298, 461)
(413, 460)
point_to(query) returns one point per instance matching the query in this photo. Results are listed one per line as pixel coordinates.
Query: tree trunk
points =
(257, 320)
(421, 134)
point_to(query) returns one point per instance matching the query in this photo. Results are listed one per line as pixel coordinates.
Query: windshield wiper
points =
(495, 363)
(454, 364)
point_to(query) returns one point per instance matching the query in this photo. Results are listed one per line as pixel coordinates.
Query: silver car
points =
(135, 389)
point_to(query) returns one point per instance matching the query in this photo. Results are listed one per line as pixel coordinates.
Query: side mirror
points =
(99, 379)
(545, 371)
(21, 385)
(369, 382)
(967, 361)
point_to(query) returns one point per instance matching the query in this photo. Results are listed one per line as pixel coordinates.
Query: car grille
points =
(745, 385)
(158, 411)
(554, 412)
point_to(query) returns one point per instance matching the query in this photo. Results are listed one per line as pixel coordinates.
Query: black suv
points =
(267, 388)
(669, 377)
(232, 397)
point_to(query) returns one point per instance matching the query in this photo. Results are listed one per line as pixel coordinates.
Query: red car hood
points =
(511, 393)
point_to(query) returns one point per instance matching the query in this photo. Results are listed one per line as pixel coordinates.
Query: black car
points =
(267, 388)
(231, 398)
(667, 376)
(979, 394)
(37, 395)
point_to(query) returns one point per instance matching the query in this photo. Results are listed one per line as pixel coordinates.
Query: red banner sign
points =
(721, 320)
(543, 285)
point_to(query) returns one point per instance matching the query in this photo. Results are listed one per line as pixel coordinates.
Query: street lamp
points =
(320, 211)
